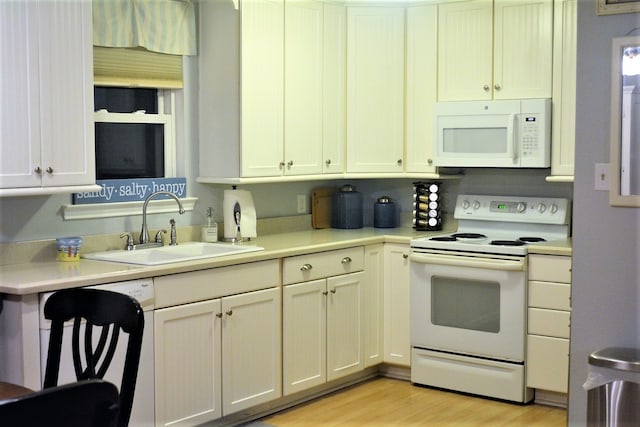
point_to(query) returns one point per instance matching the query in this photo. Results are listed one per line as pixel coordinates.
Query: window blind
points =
(136, 67)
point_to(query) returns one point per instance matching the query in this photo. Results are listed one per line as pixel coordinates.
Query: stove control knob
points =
(476, 205)
(553, 208)
(520, 207)
(542, 207)
(465, 204)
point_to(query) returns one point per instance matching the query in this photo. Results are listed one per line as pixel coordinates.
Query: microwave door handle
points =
(514, 138)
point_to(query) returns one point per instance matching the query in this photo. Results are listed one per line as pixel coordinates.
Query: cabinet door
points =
(397, 332)
(304, 324)
(523, 42)
(375, 89)
(262, 83)
(564, 87)
(187, 363)
(303, 89)
(252, 349)
(46, 88)
(465, 46)
(372, 305)
(334, 85)
(344, 325)
(19, 96)
(548, 363)
(421, 91)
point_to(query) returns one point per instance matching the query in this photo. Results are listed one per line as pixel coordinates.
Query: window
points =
(134, 133)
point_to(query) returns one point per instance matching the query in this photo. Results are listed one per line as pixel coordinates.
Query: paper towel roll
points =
(247, 214)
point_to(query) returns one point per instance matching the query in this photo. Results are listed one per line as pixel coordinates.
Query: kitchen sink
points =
(167, 254)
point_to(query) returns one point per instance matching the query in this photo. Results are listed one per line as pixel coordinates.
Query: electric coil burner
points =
(469, 292)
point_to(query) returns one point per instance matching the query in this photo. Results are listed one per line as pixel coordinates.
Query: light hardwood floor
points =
(391, 402)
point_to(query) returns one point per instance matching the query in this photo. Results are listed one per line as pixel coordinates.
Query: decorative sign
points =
(131, 190)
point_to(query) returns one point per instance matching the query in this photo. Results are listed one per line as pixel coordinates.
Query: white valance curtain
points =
(163, 26)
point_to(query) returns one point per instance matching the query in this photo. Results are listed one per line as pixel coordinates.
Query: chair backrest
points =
(81, 404)
(108, 313)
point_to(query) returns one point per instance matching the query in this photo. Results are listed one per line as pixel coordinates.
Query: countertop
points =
(44, 276)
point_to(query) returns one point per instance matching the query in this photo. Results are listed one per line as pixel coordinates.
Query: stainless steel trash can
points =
(613, 397)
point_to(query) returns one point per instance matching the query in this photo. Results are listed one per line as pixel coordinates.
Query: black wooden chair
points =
(81, 404)
(107, 313)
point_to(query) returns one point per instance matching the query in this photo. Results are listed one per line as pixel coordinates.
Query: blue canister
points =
(384, 213)
(346, 208)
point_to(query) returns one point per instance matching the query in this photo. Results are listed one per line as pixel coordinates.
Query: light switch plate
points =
(601, 178)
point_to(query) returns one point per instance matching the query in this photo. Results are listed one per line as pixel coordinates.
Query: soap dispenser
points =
(210, 231)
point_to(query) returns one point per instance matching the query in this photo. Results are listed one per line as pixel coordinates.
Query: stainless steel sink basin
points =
(167, 254)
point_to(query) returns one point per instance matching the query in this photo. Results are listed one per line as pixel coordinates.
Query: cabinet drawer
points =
(550, 268)
(551, 323)
(550, 295)
(183, 288)
(548, 363)
(323, 264)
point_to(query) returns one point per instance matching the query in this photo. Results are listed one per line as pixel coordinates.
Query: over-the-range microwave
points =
(504, 133)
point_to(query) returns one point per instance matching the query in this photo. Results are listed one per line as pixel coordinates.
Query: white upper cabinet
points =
(375, 89)
(46, 97)
(564, 89)
(495, 49)
(421, 86)
(277, 107)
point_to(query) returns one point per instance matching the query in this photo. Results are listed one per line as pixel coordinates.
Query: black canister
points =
(384, 213)
(346, 208)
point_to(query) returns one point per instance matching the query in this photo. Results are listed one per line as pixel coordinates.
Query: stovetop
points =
(502, 225)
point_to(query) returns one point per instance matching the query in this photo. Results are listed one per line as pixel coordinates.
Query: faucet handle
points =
(159, 236)
(174, 234)
(129, 245)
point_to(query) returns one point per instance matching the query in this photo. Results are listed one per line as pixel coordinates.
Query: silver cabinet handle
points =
(219, 315)
(405, 256)
(290, 163)
(497, 87)
(486, 88)
(306, 267)
(325, 293)
(327, 162)
(281, 165)
(229, 312)
(399, 162)
(333, 291)
(429, 161)
(346, 260)
(38, 170)
(49, 169)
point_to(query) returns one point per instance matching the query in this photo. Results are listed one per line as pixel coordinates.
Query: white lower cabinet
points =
(548, 327)
(322, 318)
(218, 356)
(397, 332)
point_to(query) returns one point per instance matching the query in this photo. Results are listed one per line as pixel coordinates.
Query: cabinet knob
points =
(219, 315)
(327, 162)
(38, 170)
(325, 293)
(497, 87)
(405, 256)
(281, 165)
(229, 312)
(333, 291)
(289, 164)
(346, 260)
(49, 169)
(399, 162)
(486, 88)
(306, 267)
(429, 161)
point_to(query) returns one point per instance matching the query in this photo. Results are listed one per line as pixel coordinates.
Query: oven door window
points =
(465, 304)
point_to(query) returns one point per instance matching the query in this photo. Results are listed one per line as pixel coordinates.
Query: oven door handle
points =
(472, 262)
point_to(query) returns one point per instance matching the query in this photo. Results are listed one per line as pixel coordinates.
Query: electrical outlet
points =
(601, 177)
(302, 203)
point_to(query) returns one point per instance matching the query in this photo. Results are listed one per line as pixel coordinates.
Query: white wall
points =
(606, 254)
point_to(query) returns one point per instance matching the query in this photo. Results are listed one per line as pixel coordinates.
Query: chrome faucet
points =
(144, 234)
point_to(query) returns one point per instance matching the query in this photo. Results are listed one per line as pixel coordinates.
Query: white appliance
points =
(143, 410)
(505, 133)
(469, 294)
